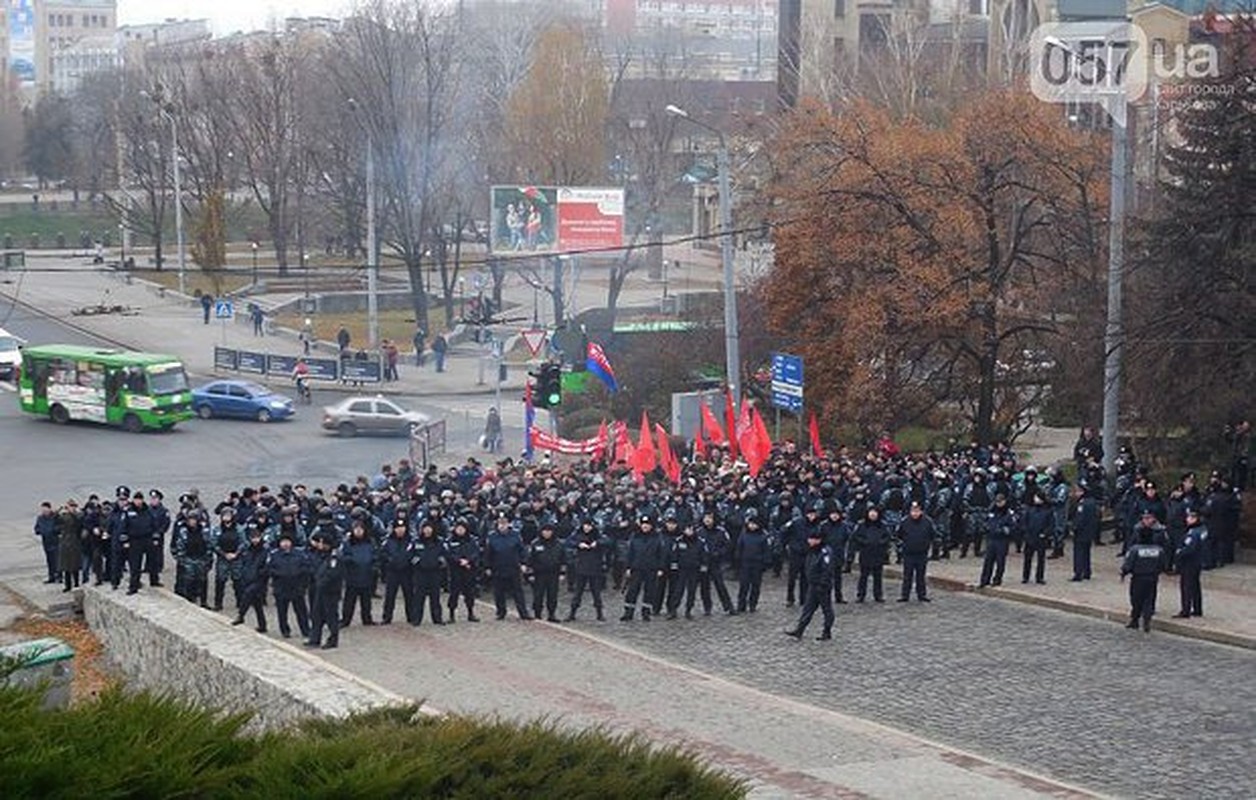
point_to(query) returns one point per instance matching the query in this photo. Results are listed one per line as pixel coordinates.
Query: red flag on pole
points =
(699, 446)
(730, 422)
(711, 426)
(645, 459)
(762, 439)
(816, 447)
(604, 436)
(751, 451)
(623, 444)
(670, 464)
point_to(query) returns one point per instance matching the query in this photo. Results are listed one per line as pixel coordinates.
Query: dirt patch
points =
(91, 675)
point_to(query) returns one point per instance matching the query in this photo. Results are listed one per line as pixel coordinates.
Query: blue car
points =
(240, 399)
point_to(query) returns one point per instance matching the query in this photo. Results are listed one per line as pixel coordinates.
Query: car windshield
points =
(8, 344)
(167, 379)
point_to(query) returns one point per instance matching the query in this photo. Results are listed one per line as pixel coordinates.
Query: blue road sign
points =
(224, 309)
(787, 381)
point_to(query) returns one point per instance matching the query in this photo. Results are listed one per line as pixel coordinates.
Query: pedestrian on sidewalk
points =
(343, 338)
(1144, 560)
(47, 529)
(207, 302)
(70, 544)
(493, 431)
(420, 339)
(258, 316)
(391, 354)
(439, 348)
(307, 336)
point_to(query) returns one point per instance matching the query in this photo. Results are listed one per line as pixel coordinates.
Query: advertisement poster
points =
(548, 219)
(22, 42)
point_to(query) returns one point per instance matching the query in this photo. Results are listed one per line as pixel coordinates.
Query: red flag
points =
(730, 422)
(751, 452)
(623, 444)
(762, 439)
(816, 447)
(744, 423)
(699, 446)
(668, 459)
(711, 426)
(644, 458)
(604, 439)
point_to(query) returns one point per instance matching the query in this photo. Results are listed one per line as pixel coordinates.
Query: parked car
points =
(10, 355)
(371, 415)
(241, 399)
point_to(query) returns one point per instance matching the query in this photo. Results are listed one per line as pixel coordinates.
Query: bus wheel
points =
(59, 415)
(132, 423)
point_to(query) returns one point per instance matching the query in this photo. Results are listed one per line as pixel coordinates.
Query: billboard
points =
(556, 219)
(22, 42)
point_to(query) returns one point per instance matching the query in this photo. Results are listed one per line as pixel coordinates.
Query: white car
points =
(10, 355)
(371, 415)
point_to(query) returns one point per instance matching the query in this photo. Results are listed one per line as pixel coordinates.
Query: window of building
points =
(979, 8)
(839, 8)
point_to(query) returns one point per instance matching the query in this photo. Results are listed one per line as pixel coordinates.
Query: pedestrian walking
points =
(492, 439)
(819, 567)
(258, 317)
(439, 347)
(343, 339)
(391, 355)
(419, 341)
(207, 303)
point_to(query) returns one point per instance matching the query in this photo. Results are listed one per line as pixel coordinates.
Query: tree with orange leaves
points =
(918, 265)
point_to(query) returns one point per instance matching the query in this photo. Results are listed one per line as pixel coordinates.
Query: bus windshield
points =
(167, 379)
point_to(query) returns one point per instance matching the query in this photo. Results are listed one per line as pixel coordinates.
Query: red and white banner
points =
(544, 440)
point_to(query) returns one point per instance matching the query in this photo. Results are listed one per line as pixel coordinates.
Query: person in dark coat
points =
(1144, 561)
(192, 548)
(1190, 563)
(504, 552)
(70, 544)
(289, 569)
(46, 529)
(327, 580)
(820, 568)
(428, 563)
(1085, 532)
(1000, 525)
(155, 557)
(253, 560)
(916, 537)
(1036, 532)
(751, 555)
(872, 542)
(590, 555)
(646, 558)
(545, 561)
(398, 576)
(687, 559)
(359, 556)
(137, 539)
(463, 554)
(719, 548)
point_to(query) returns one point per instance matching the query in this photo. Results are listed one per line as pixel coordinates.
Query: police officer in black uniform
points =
(289, 570)
(819, 567)
(645, 560)
(137, 539)
(1144, 560)
(463, 553)
(1190, 564)
(326, 585)
(916, 536)
(590, 555)
(253, 560)
(751, 555)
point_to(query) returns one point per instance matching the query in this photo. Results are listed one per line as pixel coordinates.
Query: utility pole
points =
(1114, 333)
(372, 250)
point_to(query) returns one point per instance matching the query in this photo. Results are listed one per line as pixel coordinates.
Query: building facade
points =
(49, 45)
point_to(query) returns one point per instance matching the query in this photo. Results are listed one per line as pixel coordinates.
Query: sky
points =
(227, 16)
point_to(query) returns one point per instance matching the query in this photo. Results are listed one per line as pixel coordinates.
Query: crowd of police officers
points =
(436, 539)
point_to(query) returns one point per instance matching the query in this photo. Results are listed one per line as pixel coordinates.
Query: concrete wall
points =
(162, 643)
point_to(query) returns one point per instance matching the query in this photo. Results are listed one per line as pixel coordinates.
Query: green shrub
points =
(123, 745)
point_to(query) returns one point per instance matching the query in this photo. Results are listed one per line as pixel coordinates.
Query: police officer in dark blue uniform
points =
(1085, 532)
(427, 560)
(289, 569)
(154, 559)
(463, 553)
(504, 552)
(398, 577)
(820, 569)
(751, 555)
(590, 555)
(646, 558)
(718, 547)
(1144, 560)
(545, 560)
(137, 539)
(325, 586)
(253, 560)
(1190, 564)
(999, 525)
(916, 537)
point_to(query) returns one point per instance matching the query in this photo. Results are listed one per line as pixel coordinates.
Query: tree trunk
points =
(988, 365)
(418, 298)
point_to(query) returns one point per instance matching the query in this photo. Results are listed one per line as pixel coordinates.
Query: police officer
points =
(115, 526)
(589, 557)
(1037, 526)
(820, 570)
(463, 553)
(193, 557)
(398, 577)
(325, 586)
(138, 534)
(1000, 523)
(252, 561)
(359, 557)
(836, 534)
(1144, 560)
(1086, 520)
(504, 552)
(228, 542)
(289, 569)
(916, 535)
(646, 557)
(427, 560)
(719, 548)
(686, 561)
(154, 558)
(793, 534)
(751, 556)
(544, 565)
(1190, 564)
(872, 541)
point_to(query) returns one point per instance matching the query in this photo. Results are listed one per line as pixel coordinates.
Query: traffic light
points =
(548, 390)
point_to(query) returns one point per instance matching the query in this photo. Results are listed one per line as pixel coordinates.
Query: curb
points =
(1072, 607)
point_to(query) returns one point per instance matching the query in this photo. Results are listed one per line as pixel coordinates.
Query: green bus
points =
(139, 391)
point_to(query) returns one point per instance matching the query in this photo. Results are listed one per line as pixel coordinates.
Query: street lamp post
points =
(254, 263)
(732, 352)
(167, 112)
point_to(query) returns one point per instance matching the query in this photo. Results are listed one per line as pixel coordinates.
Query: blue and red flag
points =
(529, 417)
(597, 363)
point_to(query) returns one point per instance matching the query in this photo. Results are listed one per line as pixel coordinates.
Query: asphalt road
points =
(45, 461)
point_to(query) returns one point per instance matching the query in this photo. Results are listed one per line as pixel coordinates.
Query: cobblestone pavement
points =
(1081, 700)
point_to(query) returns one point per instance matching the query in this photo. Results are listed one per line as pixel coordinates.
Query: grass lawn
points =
(395, 325)
(197, 281)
